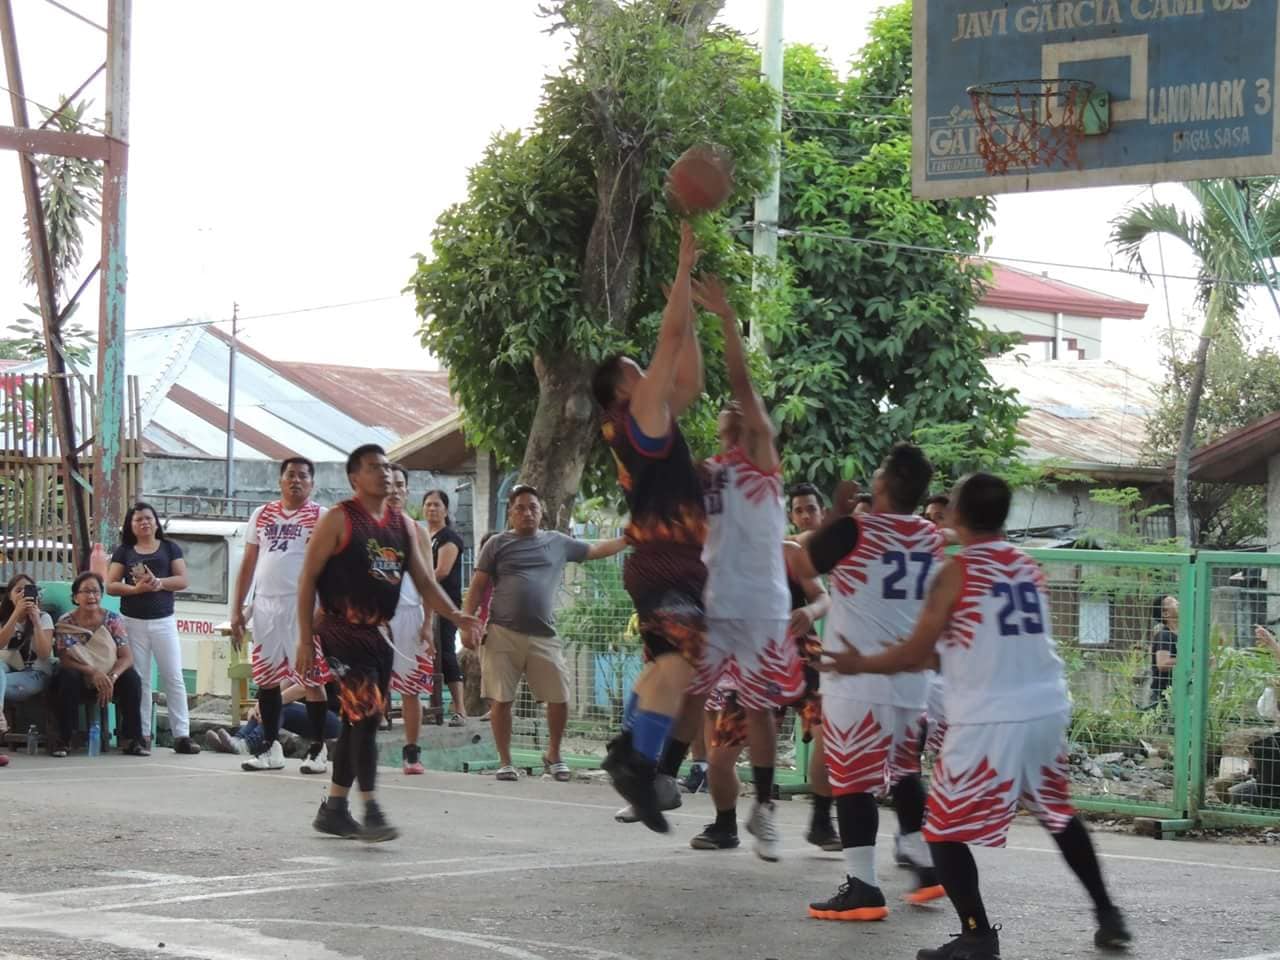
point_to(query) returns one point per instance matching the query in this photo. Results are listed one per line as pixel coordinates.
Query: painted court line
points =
(475, 794)
(491, 940)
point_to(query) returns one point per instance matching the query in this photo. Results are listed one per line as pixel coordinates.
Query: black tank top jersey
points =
(798, 598)
(662, 487)
(361, 582)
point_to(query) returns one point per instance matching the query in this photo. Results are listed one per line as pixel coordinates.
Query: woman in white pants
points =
(146, 570)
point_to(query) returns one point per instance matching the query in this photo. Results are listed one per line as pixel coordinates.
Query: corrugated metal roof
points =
(402, 401)
(1086, 413)
(1020, 290)
(182, 383)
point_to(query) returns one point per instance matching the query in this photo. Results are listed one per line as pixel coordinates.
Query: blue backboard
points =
(1192, 85)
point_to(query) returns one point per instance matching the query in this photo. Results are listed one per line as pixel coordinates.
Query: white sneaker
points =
(270, 759)
(668, 791)
(768, 844)
(317, 764)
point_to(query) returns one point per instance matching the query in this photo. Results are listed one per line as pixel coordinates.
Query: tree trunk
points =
(560, 436)
(1182, 525)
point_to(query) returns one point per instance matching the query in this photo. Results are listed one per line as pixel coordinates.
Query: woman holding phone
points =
(146, 571)
(26, 645)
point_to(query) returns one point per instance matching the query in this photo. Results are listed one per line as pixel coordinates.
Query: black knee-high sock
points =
(315, 720)
(821, 810)
(673, 755)
(1077, 850)
(269, 705)
(365, 738)
(344, 771)
(958, 874)
(762, 777)
(858, 818)
(908, 803)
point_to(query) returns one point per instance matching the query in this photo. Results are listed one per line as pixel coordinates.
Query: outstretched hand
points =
(689, 251)
(708, 293)
(845, 498)
(847, 660)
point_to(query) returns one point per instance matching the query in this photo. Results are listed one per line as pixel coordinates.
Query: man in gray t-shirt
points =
(524, 566)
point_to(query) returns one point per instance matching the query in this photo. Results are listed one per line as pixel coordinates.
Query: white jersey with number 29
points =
(999, 662)
(877, 592)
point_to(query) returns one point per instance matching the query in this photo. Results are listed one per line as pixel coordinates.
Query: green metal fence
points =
(1136, 747)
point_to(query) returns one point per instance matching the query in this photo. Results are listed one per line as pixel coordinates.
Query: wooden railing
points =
(35, 532)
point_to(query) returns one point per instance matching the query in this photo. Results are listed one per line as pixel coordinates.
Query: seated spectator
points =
(1262, 789)
(94, 656)
(26, 646)
(248, 738)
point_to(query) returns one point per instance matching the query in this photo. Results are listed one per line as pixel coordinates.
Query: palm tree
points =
(1235, 235)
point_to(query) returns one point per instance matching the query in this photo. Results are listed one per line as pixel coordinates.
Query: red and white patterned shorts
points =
(986, 770)
(869, 746)
(756, 659)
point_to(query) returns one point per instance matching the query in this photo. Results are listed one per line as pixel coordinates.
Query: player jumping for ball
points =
(664, 573)
(986, 620)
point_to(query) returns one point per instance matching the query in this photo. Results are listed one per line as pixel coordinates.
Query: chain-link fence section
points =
(1113, 616)
(1238, 676)
(1164, 724)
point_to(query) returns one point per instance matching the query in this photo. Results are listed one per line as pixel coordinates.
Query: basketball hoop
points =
(1030, 123)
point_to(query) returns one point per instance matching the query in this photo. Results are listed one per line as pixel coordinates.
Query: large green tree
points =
(879, 343)
(1241, 385)
(1234, 231)
(557, 255)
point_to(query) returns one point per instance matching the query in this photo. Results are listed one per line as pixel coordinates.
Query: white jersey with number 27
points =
(877, 592)
(999, 662)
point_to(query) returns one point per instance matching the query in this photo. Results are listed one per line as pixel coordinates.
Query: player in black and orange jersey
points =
(664, 573)
(358, 554)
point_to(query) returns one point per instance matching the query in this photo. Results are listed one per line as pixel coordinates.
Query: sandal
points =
(59, 749)
(507, 773)
(559, 770)
(136, 748)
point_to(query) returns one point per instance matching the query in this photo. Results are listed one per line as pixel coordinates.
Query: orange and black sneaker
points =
(854, 900)
(927, 886)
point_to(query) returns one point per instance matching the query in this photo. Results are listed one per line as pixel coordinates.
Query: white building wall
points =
(1075, 334)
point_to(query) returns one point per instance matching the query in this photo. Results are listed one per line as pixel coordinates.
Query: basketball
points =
(700, 180)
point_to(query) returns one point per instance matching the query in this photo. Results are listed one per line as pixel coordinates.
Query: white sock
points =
(916, 849)
(860, 863)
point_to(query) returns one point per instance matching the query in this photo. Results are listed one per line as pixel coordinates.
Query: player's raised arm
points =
(709, 293)
(652, 399)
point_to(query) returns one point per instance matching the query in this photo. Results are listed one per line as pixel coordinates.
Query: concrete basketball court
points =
(126, 859)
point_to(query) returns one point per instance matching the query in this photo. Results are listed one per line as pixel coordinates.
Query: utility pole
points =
(765, 239)
(108, 477)
(230, 485)
(46, 292)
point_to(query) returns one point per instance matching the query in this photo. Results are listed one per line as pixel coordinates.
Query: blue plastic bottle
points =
(95, 739)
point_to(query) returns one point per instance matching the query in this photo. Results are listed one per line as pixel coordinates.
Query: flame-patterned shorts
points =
(665, 582)
(360, 657)
(986, 770)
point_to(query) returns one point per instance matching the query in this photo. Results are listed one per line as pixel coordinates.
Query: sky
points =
(295, 154)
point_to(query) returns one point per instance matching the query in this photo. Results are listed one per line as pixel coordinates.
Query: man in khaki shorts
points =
(525, 565)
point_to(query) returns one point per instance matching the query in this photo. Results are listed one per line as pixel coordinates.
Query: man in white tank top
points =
(986, 622)
(413, 669)
(880, 564)
(275, 542)
(746, 598)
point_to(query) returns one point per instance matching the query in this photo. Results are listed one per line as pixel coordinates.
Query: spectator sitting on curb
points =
(524, 565)
(248, 737)
(94, 654)
(26, 643)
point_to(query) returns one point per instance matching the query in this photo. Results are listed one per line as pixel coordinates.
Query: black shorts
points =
(360, 658)
(665, 582)
(447, 646)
